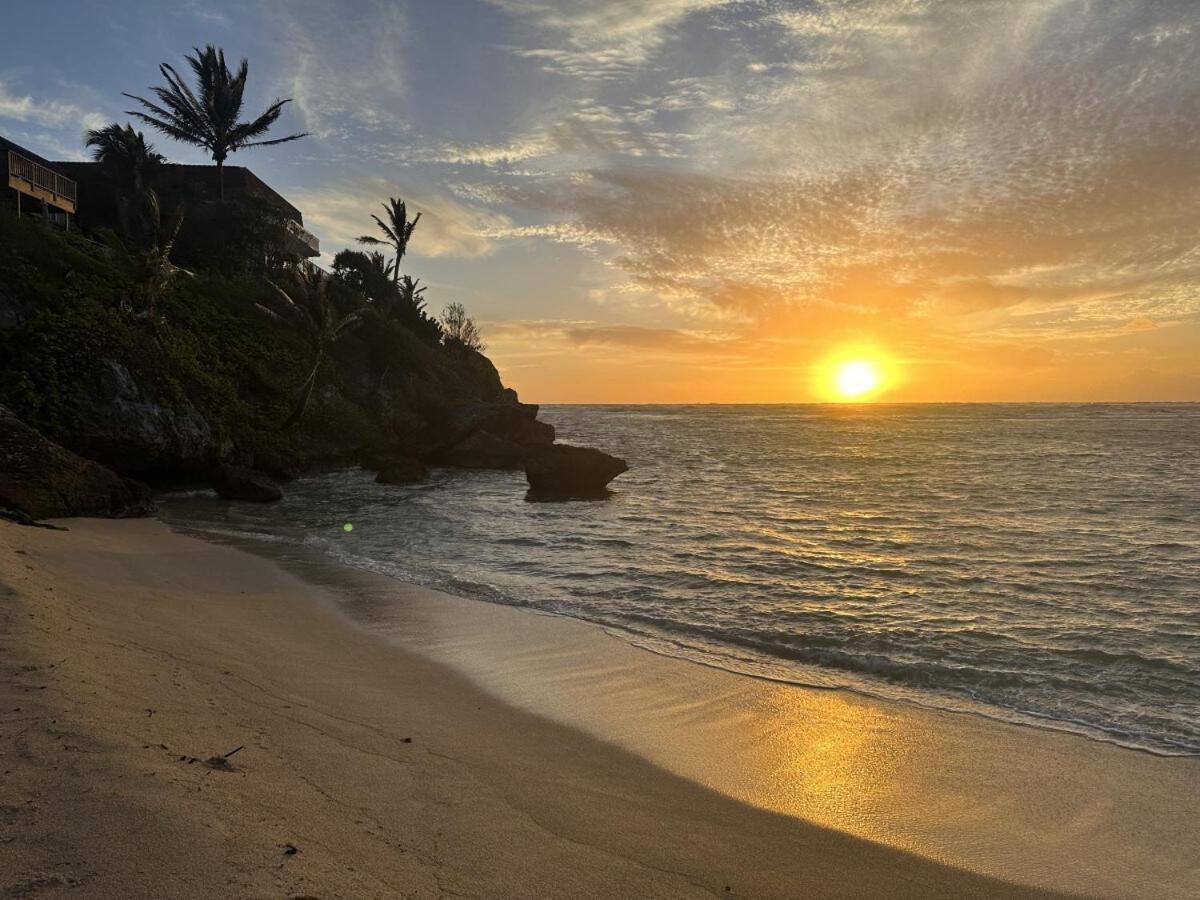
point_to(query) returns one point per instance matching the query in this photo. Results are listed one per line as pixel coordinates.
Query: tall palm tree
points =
(307, 306)
(396, 232)
(208, 117)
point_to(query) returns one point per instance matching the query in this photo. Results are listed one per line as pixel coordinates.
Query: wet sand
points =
(133, 655)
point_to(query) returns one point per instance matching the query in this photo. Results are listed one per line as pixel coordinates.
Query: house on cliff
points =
(70, 193)
(195, 186)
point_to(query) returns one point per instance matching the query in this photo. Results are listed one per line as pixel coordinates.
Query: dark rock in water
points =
(402, 471)
(240, 483)
(44, 480)
(484, 450)
(564, 471)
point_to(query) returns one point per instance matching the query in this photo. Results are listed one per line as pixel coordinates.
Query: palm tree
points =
(410, 294)
(396, 230)
(131, 164)
(308, 307)
(368, 273)
(125, 156)
(208, 118)
(147, 262)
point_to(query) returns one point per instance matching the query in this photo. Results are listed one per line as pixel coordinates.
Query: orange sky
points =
(705, 200)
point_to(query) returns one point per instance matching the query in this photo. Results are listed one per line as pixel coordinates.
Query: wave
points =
(1033, 563)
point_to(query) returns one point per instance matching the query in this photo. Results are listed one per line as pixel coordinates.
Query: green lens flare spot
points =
(348, 527)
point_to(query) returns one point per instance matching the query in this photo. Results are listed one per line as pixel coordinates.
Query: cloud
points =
(48, 113)
(600, 340)
(345, 68)
(1027, 168)
(590, 132)
(602, 38)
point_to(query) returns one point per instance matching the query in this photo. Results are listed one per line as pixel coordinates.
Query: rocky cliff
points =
(205, 381)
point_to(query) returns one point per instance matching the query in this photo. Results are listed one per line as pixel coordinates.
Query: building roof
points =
(237, 179)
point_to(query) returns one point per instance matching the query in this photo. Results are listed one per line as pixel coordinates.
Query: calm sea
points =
(1037, 563)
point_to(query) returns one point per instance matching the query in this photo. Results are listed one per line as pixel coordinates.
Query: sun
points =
(856, 379)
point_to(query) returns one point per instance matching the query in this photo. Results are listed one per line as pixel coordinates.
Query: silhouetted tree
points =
(368, 273)
(307, 306)
(209, 116)
(396, 232)
(125, 156)
(460, 329)
(130, 165)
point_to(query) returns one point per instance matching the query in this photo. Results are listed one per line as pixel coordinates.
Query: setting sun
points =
(856, 378)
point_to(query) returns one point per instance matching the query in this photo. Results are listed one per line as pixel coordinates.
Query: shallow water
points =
(1038, 563)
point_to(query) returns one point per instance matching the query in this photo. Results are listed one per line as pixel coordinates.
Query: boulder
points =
(484, 450)
(401, 471)
(120, 422)
(532, 433)
(44, 480)
(565, 471)
(453, 425)
(240, 483)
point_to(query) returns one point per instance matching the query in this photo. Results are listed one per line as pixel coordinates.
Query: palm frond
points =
(208, 116)
(391, 235)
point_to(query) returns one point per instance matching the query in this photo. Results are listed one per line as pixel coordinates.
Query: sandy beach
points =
(136, 658)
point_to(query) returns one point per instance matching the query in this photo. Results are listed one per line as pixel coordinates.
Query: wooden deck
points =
(41, 183)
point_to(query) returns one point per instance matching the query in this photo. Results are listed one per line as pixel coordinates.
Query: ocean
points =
(1037, 563)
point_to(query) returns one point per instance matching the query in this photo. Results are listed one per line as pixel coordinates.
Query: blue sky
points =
(709, 199)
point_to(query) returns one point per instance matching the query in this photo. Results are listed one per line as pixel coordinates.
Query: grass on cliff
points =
(66, 321)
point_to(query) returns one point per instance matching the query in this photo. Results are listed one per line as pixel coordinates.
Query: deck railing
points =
(39, 176)
(304, 236)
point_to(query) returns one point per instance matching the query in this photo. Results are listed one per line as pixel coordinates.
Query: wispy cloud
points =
(1021, 166)
(345, 66)
(45, 111)
(589, 133)
(602, 38)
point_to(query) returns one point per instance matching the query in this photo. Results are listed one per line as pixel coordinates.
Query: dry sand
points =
(131, 655)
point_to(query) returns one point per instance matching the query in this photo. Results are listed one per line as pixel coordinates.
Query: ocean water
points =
(1036, 563)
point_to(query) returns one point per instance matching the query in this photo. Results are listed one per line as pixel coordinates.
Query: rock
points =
(565, 471)
(401, 471)
(484, 450)
(454, 424)
(44, 480)
(532, 433)
(118, 422)
(11, 514)
(282, 466)
(240, 483)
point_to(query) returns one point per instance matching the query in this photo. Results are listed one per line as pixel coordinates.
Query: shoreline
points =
(1079, 814)
(289, 556)
(743, 660)
(133, 648)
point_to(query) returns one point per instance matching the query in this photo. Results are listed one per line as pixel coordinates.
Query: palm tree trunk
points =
(221, 178)
(306, 392)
